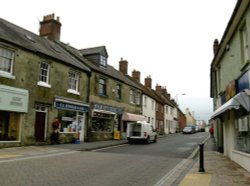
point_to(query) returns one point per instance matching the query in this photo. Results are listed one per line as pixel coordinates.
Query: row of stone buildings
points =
(230, 87)
(42, 78)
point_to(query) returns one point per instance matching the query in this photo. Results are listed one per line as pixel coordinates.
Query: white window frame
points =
(44, 73)
(73, 82)
(103, 61)
(10, 59)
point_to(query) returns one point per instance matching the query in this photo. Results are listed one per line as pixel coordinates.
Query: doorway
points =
(40, 123)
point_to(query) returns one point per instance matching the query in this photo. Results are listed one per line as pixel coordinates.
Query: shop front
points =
(105, 121)
(13, 106)
(72, 118)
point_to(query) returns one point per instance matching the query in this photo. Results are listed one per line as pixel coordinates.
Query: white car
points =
(141, 131)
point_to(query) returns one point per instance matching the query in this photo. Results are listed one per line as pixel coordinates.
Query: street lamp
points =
(176, 97)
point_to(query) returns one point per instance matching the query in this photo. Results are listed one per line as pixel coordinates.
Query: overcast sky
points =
(170, 40)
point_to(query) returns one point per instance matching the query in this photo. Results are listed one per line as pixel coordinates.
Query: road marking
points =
(37, 156)
(164, 179)
(110, 147)
(9, 155)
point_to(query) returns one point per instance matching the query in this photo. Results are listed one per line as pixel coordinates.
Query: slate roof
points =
(110, 71)
(94, 50)
(27, 40)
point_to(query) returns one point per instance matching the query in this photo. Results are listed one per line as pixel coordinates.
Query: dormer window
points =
(103, 61)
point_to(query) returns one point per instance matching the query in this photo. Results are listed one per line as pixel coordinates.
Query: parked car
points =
(188, 130)
(141, 131)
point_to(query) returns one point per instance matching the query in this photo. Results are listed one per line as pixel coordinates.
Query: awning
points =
(132, 117)
(242, 99)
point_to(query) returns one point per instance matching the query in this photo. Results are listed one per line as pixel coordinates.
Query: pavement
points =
(218, 169)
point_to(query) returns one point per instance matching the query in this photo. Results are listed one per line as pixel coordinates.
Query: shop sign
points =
(230, 90)
(13, 99)
(70, 106)
(107, 108)
(243, 82)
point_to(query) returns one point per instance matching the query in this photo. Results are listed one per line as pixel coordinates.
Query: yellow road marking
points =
(9, 155)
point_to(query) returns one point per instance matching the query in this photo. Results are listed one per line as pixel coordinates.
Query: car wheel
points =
(148, 140)
(155, 140)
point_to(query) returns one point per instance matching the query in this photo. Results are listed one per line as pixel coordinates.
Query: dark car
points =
(188, 130)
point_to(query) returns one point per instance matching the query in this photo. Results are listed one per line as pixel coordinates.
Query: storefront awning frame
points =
(242, 99)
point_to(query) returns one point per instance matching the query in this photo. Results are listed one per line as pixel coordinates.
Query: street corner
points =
(196, 179)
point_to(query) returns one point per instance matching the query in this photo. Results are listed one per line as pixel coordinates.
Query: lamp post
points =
(176, 97)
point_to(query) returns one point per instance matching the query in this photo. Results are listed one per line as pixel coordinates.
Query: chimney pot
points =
(216, 46)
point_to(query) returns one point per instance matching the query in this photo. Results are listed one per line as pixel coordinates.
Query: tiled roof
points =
(27, 40)
(110, 71)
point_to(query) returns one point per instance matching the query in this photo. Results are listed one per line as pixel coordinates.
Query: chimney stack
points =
(50, 28)
(148, 82)
(216, 46)
(123, 66)
(158, 88)
(136, 75)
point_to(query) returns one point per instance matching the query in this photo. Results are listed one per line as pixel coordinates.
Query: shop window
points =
(70, 120)
(243, 134)
(102, 122)
(9, 126)
(6, 61)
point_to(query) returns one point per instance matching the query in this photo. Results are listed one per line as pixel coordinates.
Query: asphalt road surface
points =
(133, 164)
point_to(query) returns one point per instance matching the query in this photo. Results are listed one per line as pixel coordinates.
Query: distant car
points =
(188, 130)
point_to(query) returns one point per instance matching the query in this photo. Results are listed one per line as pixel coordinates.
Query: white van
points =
(141, 131)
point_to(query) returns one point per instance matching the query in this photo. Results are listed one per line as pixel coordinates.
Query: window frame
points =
(102, 87)
(118, 94)
(103, 61)
(8, 74)
(76, 82)
(41, 82)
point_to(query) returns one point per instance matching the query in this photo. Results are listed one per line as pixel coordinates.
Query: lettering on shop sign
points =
(16, 101)
(107, 108)
(69, 106)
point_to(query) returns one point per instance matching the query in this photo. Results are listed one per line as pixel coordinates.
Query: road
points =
(136, 164)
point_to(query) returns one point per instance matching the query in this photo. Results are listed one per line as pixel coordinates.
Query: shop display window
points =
(102, 124)
(243, 134)
(9, 126)
(70, 120)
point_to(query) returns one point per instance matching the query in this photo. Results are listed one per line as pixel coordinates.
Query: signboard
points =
(243, 124)
(230, 90)
(116, 110)
(243, 82)
(70, 106)
(13, 99)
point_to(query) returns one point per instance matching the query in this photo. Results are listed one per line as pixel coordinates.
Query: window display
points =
(243, 134)
(9, 126)
(70, 122)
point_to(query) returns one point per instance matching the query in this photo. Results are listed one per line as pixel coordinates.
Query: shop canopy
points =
(132, 117)
(240, 100)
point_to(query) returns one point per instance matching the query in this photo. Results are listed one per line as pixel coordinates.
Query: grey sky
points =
(169, 40)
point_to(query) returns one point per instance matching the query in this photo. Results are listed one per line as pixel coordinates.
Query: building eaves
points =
(27, 40)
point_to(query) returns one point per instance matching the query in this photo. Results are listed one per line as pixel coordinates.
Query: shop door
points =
(40, 124)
